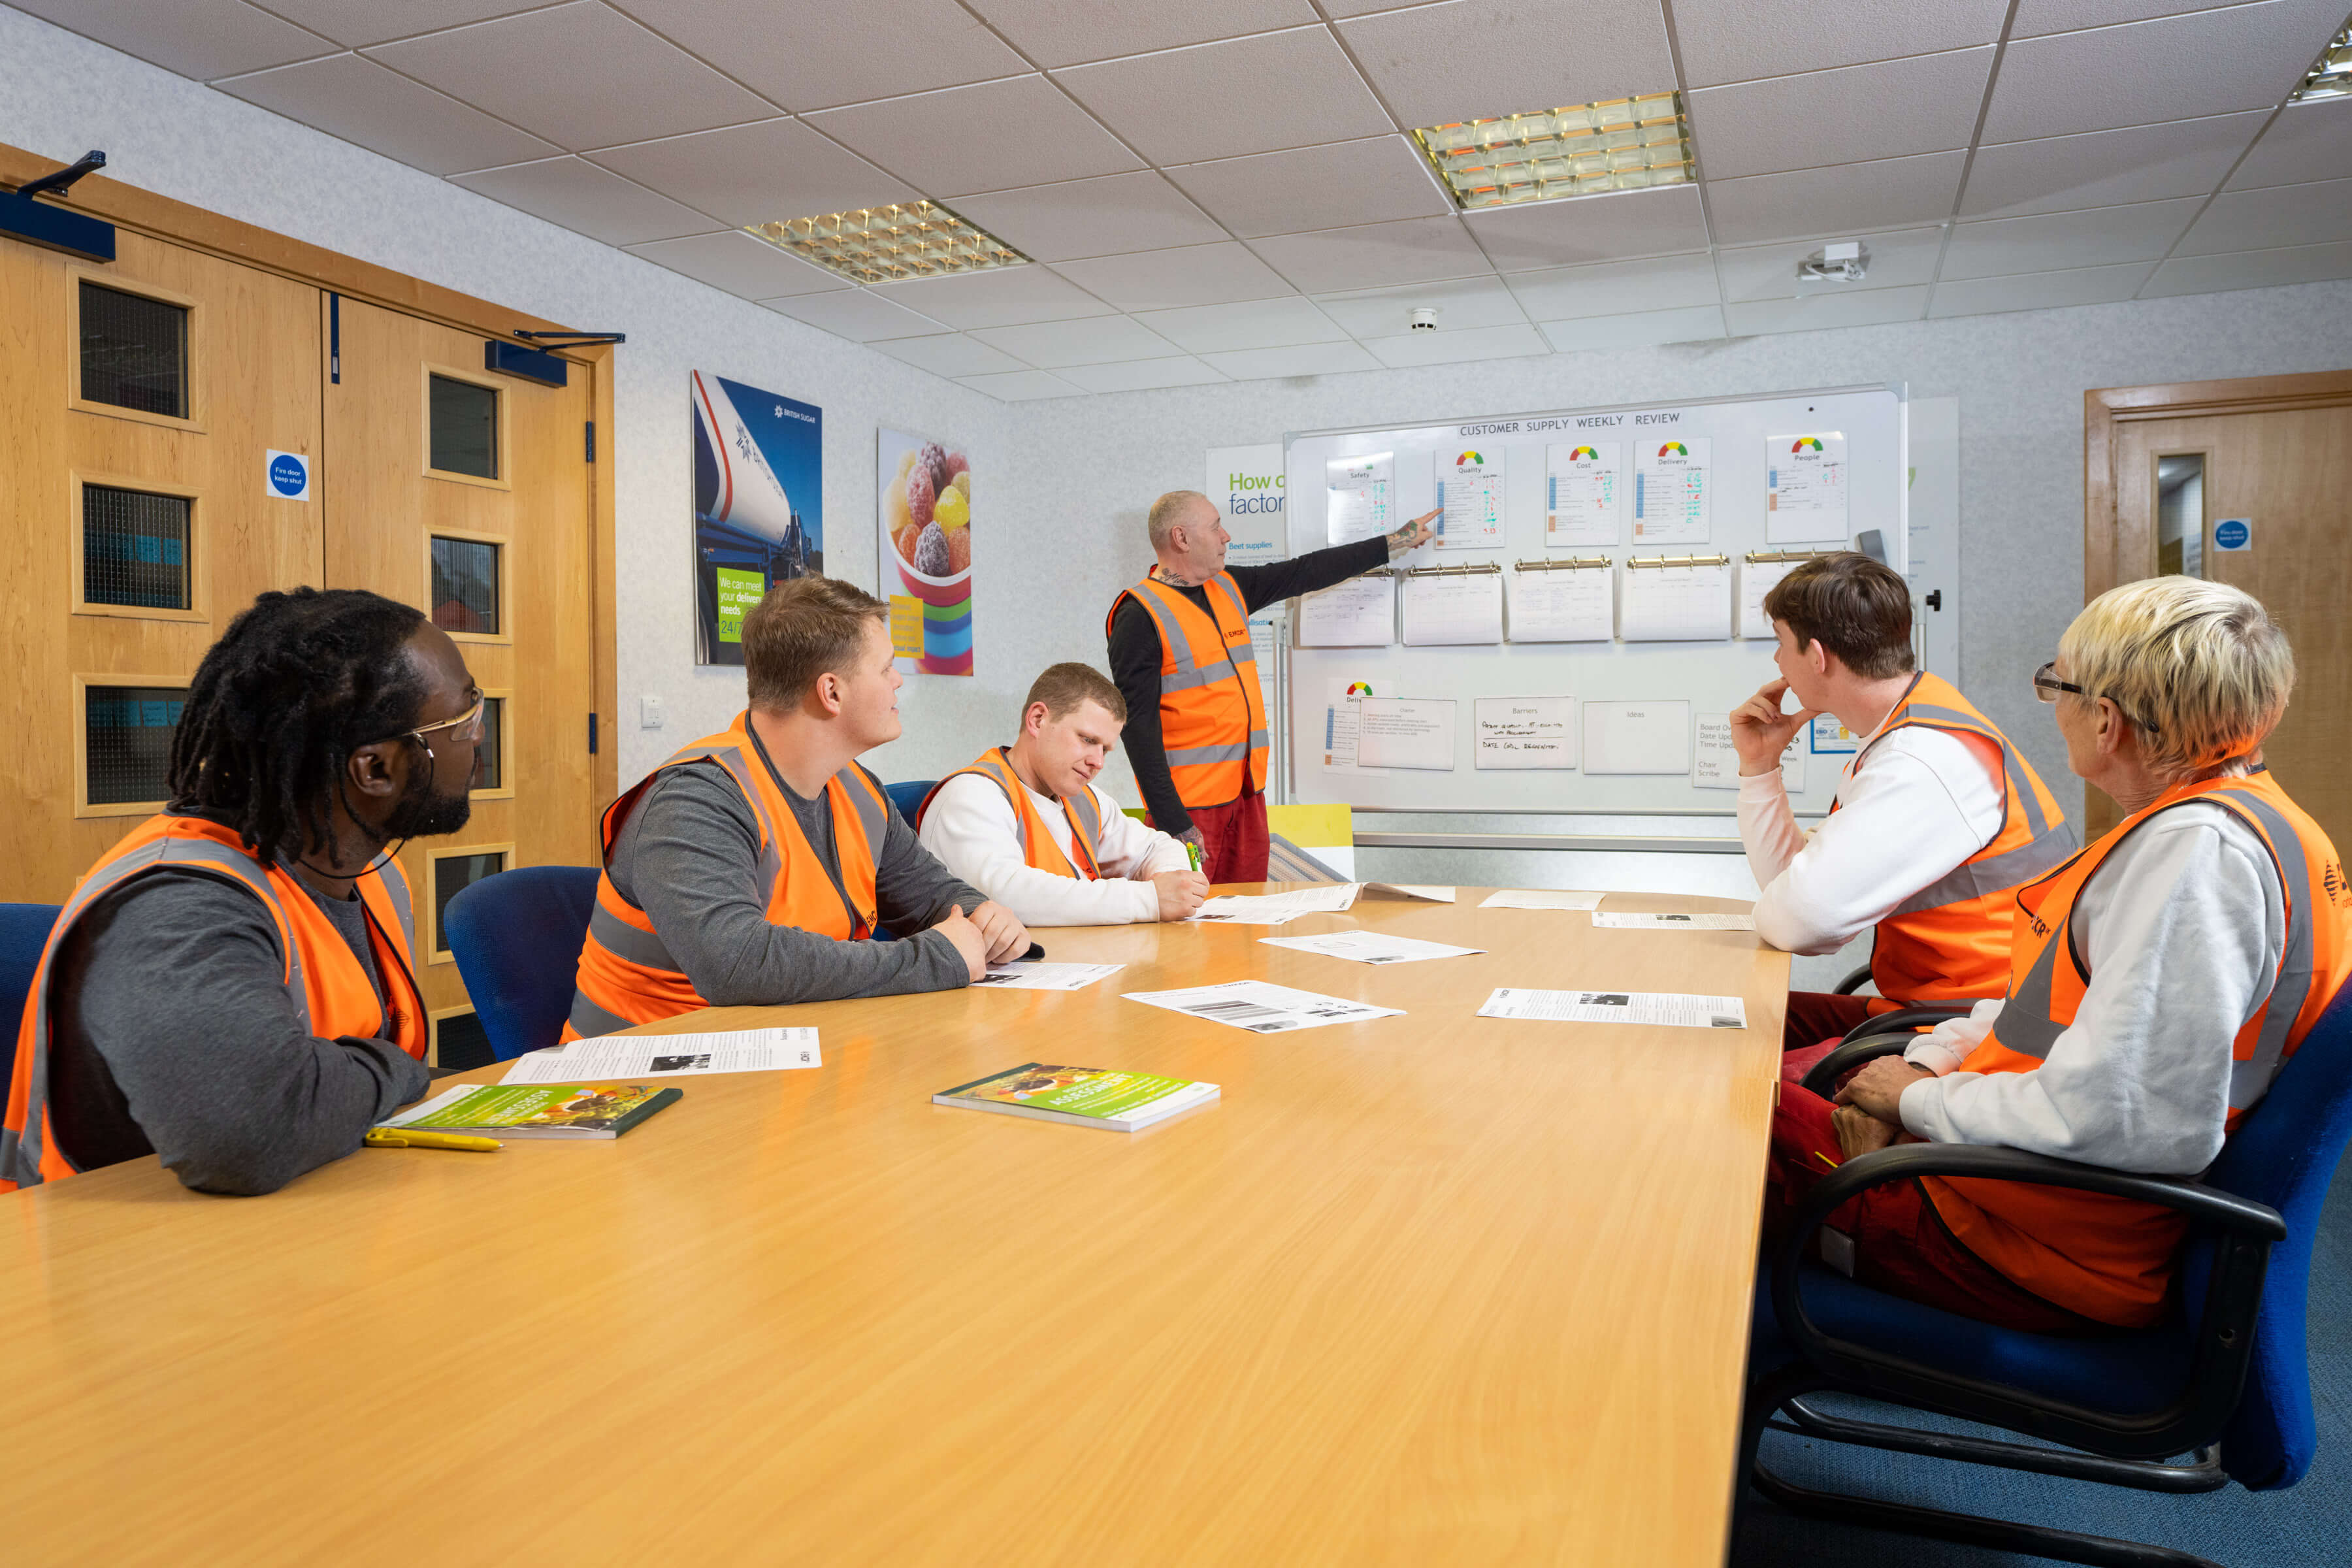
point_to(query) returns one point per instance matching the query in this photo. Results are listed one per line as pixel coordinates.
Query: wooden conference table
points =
(1430, 1290)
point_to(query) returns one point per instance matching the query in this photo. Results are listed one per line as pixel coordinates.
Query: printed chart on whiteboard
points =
(1591, 609)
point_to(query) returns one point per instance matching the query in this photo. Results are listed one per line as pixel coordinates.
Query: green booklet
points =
(1083, 1097)
(539, 1110)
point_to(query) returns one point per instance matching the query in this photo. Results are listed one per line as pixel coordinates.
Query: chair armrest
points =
(1843, 1058)
(1908, 1017)
(1852, 982)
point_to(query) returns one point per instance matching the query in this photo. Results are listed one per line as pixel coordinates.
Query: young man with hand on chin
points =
(753, 868)
(1937, 820)
(1025, 825)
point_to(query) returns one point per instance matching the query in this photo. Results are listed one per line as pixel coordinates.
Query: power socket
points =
(649, 712)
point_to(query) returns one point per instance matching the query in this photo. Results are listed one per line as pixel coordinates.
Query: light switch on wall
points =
(649, 712)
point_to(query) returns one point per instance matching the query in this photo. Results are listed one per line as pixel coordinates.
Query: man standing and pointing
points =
(1179, 653)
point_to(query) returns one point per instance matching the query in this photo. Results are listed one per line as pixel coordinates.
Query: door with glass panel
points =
(468, 494)
(139, 402)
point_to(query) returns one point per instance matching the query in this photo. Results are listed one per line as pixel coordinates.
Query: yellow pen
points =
(411, 1138)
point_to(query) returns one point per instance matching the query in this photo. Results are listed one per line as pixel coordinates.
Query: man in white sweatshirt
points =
(1025, 825)
(1937, 820)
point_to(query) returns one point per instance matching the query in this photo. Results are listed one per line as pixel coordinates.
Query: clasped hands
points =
(1869, 1114)
(990, 934)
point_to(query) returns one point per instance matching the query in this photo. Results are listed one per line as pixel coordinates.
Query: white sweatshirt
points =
(1920, 802)
(972, 829)
(2182, 926)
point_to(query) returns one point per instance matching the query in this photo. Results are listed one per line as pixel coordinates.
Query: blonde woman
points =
(2158, 979)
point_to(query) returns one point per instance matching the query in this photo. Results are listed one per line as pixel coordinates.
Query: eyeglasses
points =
(2047, 686)
(466, 728)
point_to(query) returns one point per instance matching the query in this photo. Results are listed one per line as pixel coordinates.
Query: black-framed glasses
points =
(2047, 687)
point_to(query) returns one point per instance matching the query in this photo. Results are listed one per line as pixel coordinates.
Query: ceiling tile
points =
(1374, 255)
(997, 136)
(2104, 168)
(385, 112)
(951, 354)
(1170, 280)
(2266, 219)
(1376, 180)
(580, 75)
(1874, 306)
(1898, 260)
(1887, 110)
(1738, 40)
(1138, 376)
(2178, 67)
(199, 38)
(1450, 348)
(2250, 270)
(856, 314)
(2037, 17)
(2307, 141)
(1613, 227)
(736, 262)
(814, 57)
(1050, 345)
(2039, 291)
(1223, 100)
(1469, 60)
(1611, 288)
(1887, 193)
(2099, 237)
(753, 174)
(596, 202)
(1460, 303)
(1021, 385)
(357, 23)
(1003, 297)
(1253, 323)
(1067, 32)
(1107, 216)
(1300, 358)
(1697, 324)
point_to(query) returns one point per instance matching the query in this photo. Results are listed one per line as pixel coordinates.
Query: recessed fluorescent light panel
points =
(2331, 77)
(883, 244)
(1619, 145)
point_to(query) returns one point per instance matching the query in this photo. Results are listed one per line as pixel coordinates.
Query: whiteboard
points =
(1712, 676)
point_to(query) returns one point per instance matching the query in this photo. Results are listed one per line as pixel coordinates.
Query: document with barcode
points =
(668, 1055)
(1618, 1008)
(1614, 922)
(1261, 1008)
(1047, 976)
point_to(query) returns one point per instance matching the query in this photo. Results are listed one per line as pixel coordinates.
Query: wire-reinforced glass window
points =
(465, 585)
(459, 1042)
(134, 548)
(452, 875)
(134, 351)
(128, 757)
(465, 427)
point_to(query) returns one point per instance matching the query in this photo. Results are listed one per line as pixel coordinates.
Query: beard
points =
(427, 816)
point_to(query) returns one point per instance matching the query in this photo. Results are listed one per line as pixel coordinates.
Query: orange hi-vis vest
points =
(627, 976)
(1212, 713)
(1039, 845)
(2111, 1258)
(1949, 941)
(330, 991)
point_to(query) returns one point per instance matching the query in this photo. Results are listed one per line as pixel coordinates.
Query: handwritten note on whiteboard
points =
(1405, 732)
(1359, 612)
(1805, 489)
(1526, 731)
(1359, 497)
(1585, 492)
(1674, 492)
(1472, 482)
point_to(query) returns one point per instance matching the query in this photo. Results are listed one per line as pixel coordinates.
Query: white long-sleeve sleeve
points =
(1920, 802)
(2182, 927)
(971, 829)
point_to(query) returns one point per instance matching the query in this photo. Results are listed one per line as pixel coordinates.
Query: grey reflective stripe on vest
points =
(20, 1154)
(626, 942)
(395, 884)
(1995, 874)
(2251, 1079)
(1190, 755)
(2024, 1023)
(1192, 671)
(873, 814)
(1086, 818)
(1952, 717)
(588, 1020)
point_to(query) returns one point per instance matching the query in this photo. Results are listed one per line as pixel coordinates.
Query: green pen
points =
(1193, 853)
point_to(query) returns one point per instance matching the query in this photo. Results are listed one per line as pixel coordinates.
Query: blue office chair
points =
(24, 932)
(2228, 1364)
(517, 939)
(909, 795)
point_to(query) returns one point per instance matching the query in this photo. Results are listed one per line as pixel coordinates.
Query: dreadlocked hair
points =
(297, 683)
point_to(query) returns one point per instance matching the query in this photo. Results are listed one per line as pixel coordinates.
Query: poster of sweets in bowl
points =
(926, 505)
(759, 504)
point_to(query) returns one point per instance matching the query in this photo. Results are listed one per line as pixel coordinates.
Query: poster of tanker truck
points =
(759, 504)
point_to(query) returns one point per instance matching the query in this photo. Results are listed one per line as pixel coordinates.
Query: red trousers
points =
(1900, 1244)
(1234, 836)
(1818, 1016)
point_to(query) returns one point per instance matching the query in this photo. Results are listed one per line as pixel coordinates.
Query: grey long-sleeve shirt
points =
(689, 857)
(173, 1035)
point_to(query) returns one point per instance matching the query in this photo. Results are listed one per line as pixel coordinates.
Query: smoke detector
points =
(1424, 320)
(1844, 261)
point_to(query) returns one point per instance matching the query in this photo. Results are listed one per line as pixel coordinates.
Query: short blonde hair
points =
(1063, 687)
(2200, 663)
(1168, 510)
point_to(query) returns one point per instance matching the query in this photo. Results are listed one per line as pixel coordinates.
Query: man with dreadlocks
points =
(231, 986)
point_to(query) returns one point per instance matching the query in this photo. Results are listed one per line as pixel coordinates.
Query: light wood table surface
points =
(1430, 1290)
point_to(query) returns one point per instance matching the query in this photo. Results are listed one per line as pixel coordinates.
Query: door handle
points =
(1936, 600)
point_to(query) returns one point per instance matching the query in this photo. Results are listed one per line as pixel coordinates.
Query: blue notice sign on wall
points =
(2233, 533)
(286, 475)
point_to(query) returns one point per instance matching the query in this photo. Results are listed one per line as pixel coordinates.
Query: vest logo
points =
(2041, 926)
(2332, 878)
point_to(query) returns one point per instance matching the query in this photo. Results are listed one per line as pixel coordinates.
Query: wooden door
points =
(468, 495)
(137, 400)
(2276, 452)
